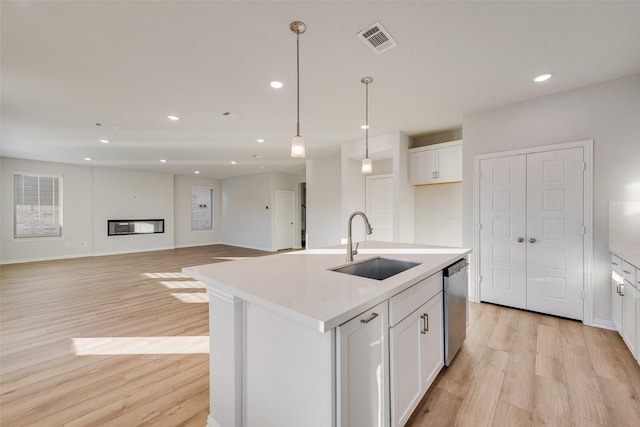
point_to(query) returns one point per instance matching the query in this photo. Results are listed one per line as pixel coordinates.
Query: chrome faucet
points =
(368, 228)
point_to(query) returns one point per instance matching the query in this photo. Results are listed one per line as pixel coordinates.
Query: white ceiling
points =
(129, 64)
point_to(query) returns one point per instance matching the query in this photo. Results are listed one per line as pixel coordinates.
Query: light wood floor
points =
(518, 368)
(70, 353)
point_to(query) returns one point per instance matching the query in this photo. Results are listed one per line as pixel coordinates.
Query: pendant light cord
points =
(366, 120)
(298, 82)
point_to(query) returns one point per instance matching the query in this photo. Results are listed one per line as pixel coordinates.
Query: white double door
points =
(532, 231)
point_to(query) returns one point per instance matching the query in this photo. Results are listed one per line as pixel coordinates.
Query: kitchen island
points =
(293, 343)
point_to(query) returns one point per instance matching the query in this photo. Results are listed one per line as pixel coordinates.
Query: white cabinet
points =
(638, 315)
(616, 297)
(629, 292)
(417, 356)
(363, 369)
(436, 164)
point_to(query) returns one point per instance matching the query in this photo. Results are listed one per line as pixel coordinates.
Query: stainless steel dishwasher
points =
(455, 308)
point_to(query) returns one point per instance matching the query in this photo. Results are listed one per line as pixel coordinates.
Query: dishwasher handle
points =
(456, 267)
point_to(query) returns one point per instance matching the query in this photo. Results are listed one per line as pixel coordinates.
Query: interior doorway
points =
(284, 220)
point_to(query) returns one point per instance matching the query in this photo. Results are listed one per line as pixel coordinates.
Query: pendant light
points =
(367, 167)
(297, 143)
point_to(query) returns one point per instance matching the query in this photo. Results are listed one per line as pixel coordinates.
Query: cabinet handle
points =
(370, 318)
(532, 240)
(425, 323)
(618, 288)
(614, 263)
(520, 239)
(626, 272)
(621, 289)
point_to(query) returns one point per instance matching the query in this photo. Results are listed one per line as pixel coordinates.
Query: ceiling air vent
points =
(377, 38)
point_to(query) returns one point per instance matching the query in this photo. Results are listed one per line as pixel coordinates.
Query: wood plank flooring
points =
(518, 368)
(67, 357)
(118, 341)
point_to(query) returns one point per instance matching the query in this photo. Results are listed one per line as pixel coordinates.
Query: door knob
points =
(520, 239)
(532, 240)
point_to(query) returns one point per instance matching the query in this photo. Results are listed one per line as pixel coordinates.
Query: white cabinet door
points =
(432, 350)
(616, 306)
(616, 298)
(417, 356)
(449, 164)
(406, 349)
(363, 369)
(422, 167)
(629, 316)
(629, 292)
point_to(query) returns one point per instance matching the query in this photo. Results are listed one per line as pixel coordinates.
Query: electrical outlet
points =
(452, 223)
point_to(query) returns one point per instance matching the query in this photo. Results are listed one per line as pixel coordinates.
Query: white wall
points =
(608, 113)
(323, 202)
(439, 214)
(184, 236)
(128, 194)
(91, 196)
(77, 227)
(247, 208)
(353, 186)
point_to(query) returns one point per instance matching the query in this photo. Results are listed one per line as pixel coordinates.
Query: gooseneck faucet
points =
(368, 228)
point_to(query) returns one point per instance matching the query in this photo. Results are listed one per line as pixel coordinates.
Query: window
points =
(38, 205)
(201, 208)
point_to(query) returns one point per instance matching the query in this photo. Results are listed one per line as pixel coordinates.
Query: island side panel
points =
(226, 317)
(289, 372)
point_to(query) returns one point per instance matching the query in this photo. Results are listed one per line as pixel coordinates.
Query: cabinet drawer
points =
(616, 264)
(407, 301)
(629, 273)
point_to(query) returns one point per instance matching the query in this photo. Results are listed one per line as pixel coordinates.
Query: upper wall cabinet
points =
(436, 164)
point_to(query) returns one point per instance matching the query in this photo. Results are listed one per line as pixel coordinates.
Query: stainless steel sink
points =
(376, 268)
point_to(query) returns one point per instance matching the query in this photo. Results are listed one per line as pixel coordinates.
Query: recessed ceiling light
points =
(364, 127)
(260, 140)
(88, 159)
(163, 161)
(542, 78)
(105, 141)
(196, 172)
(276, 85)
(233, 162)
(174, 118)
(256, 156)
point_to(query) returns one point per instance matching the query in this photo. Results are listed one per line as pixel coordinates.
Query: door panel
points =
(555, 219)
(284, 214)
(380, 206)
(502, 219)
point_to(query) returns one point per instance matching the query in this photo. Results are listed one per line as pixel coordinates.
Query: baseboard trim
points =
(54, 258)
(211, 422)
(603, 324)
(238, 245)
(198, 245)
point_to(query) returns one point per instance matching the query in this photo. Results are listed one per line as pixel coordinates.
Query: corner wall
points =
(607, 113)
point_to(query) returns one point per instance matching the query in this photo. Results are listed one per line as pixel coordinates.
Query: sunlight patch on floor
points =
(169, 275)
(232, 258)
(183, 284)
(190, 297)
(140, 345)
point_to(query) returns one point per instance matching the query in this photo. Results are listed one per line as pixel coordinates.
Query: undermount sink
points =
(377, 268)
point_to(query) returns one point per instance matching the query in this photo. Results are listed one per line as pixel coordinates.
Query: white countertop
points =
(300, 285)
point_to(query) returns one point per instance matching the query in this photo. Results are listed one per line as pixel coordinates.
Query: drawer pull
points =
(614, 263)
(425, 323)
(370, 318)
(625, 271)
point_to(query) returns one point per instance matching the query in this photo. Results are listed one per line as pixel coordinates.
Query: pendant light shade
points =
(367, 166)
(297, 143)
